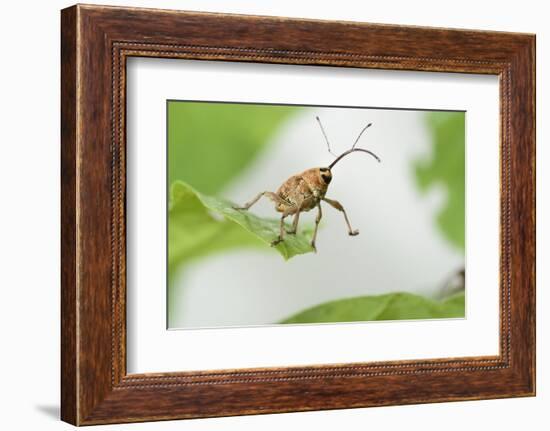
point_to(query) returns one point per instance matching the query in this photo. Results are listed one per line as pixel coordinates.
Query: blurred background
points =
(409, 210)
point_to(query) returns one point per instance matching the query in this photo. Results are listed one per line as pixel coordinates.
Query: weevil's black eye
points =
(326, 178)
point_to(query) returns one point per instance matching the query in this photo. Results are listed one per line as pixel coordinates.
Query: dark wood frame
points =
(95, 43)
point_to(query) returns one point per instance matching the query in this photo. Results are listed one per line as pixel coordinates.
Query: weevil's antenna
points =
(357, 140)
(325, 135)
(345, 153)
(353, 149)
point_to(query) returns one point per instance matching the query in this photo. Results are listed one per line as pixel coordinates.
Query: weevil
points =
(305, 191)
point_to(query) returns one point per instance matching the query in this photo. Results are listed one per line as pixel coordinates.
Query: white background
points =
(29, 228)
(153, 349)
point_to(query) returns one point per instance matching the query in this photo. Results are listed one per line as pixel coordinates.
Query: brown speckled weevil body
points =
(305, 191)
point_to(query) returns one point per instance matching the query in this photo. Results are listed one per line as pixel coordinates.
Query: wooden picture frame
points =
(96, 41)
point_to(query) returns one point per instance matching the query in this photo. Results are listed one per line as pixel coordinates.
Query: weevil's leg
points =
(280, 238)
(294, 224)
(273, 196)
(288, 210)
(317, 220)
(339, 207)
(295, 221)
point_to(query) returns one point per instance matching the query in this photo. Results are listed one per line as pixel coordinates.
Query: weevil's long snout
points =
(341, 156)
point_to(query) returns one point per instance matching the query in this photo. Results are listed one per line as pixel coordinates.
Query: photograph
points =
(299, 214)
(271, 211)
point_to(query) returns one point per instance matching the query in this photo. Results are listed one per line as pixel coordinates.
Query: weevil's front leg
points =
(339, 207)
(317, 221)
(273, 196)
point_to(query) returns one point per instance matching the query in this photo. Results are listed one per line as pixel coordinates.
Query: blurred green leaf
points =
(447, 167)
(193, 232)
(199, 224)
(392, 306)
(209, 144)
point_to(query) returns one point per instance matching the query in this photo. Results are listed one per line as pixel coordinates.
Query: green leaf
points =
(210, 144)
(199, 224)
(391, 306)
(193, 232)
(447, 168)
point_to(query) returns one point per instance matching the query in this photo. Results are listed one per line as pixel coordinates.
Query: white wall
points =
(29, 228)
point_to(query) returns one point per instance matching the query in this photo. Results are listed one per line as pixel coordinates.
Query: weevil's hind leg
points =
(317, 221)
(273, 196)
(339, 207)
(281, 236)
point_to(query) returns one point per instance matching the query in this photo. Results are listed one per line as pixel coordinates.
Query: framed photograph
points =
(264, 215)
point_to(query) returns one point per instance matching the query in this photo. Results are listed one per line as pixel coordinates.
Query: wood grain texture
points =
(68, 218)
(96, 42)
